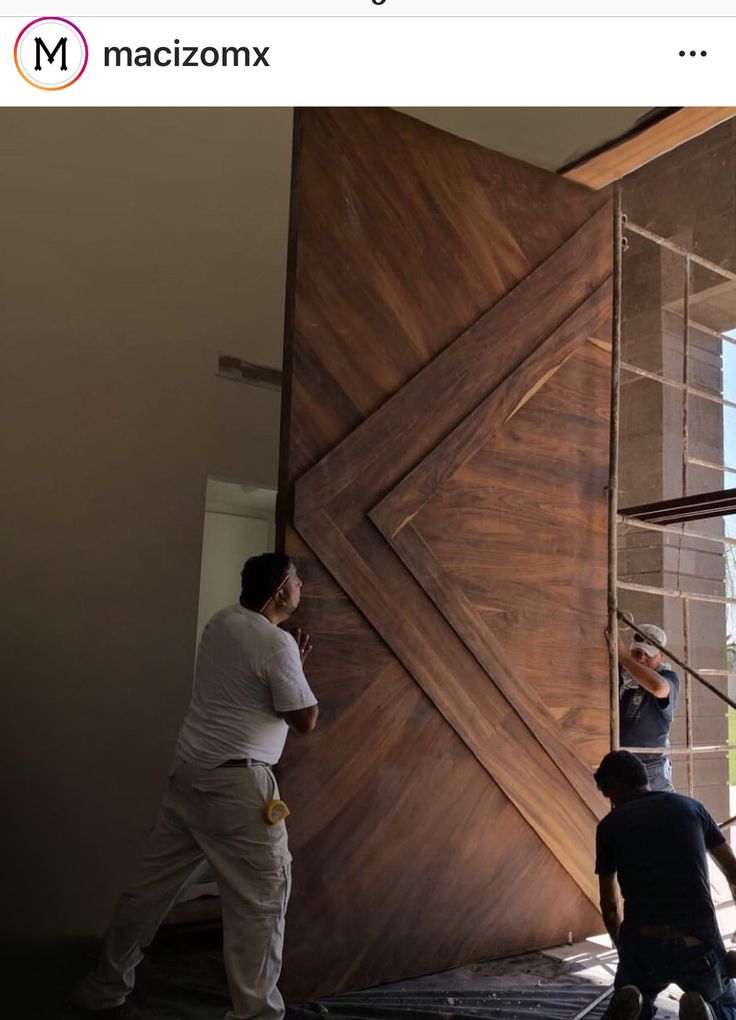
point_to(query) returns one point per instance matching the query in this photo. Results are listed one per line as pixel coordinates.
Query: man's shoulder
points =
(231, 618)
(227, 613)
(247, 626)
(282, 640)
(270, 641)
(682, 798)
(607, 823)
(664, 800)
(689, 804)
(669, 804)
(646, 803)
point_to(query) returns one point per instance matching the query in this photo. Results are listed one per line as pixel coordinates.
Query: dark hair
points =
(260, 577)
(621, 769)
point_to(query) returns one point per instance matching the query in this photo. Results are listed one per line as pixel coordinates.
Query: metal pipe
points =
(667, 380)
(685, 456)
(680, 752)
(709, 331)
(685, 374)
(671, 246)
(618, 251)
(675, 593)
(688, 698)
(596, 1002)
(730, 469)
(669, 529)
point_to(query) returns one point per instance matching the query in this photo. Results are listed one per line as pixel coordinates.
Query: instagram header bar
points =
(360, 60)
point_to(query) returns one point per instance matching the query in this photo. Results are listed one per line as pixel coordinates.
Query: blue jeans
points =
(659, 775)
(652, 964)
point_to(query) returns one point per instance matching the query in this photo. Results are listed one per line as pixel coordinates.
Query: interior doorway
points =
(238, 523)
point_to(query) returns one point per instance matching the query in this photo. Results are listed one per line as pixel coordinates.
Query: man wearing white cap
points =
(648, 691)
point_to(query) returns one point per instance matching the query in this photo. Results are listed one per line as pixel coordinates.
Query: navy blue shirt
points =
(656, 845)
(645, 721)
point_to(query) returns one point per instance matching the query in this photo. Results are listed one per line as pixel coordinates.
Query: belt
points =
(242, 763)
(666, 932)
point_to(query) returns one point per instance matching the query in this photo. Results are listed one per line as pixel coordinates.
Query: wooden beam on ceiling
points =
(665, 135)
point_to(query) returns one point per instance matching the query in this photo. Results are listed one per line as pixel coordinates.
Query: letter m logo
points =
(51, 54)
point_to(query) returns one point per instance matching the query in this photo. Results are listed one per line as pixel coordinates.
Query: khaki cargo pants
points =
(213, 814)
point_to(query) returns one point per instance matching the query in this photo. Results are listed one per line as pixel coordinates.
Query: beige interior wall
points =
(134, 243)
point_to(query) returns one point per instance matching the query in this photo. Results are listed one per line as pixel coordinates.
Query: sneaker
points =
(626, 1004)
(694, 1007)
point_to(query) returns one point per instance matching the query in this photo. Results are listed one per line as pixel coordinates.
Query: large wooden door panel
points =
(464, 373)
(407, 857)
(334, 498)
(443, 298)
(546, 543)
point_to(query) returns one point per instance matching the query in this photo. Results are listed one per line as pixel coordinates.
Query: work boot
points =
(626, 1004)
(694, 1007)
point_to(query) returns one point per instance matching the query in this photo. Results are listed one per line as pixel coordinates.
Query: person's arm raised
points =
(647, 678)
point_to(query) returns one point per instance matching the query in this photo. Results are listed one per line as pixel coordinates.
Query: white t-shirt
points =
(247, 671)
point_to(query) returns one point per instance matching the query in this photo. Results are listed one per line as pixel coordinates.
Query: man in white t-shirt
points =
(249, 690)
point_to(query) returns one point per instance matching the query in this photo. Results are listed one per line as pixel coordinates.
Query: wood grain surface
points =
(443, 473)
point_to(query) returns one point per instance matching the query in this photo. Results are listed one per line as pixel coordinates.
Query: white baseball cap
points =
(653, 631)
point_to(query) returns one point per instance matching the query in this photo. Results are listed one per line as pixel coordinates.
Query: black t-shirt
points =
(655, 844)
(645, 721)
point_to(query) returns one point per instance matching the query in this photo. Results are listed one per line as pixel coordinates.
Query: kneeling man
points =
(651, 850)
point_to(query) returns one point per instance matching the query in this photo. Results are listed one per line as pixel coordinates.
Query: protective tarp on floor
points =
(184, 979)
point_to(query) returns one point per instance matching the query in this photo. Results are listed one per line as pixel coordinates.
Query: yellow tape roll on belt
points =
(275, 811)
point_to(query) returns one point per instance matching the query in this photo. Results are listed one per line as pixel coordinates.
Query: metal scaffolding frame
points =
(622, 227)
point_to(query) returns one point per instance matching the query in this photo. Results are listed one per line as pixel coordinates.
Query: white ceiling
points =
(550, 137)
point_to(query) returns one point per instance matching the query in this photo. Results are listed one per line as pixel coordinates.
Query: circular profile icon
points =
(51, 53)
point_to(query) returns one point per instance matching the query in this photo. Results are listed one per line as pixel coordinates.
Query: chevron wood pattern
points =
(441, 296)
